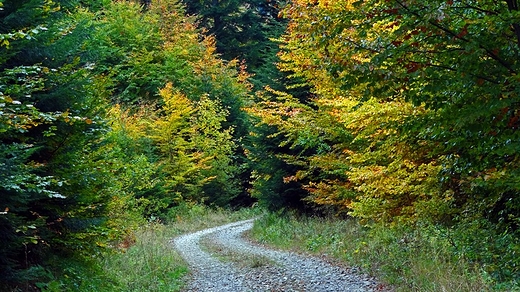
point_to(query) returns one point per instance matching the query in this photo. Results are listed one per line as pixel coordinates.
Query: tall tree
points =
(413, 117)
(440, 75)
(244, 30)
(51, 121)
(235, 24)
(158, 56)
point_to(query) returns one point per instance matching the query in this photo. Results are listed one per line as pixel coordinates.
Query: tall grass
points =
(145, 261)
(407, 259)
(150, 264)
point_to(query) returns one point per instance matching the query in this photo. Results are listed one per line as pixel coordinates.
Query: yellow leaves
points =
(286, 112)
(373, 120)
(174, 101)
(397, 187)
(386, 26)
(211, 46)
(5, 43)
(383, 177)
(371, 166)
(134, 125)
(171, 126)
(332, 193)
(289, 179)
(336, 5)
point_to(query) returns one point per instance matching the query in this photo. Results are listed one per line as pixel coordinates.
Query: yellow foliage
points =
(134, 125)
(370, 170)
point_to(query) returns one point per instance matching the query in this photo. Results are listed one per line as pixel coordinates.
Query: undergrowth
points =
(422, 258)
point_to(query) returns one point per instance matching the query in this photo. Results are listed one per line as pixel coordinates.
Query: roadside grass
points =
(150, 264)
(145, 260)
(406, 259)
(189, 218)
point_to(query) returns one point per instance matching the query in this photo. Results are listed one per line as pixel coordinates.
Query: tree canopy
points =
(413, 111)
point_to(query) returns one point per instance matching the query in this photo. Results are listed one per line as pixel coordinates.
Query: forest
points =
(393, 113)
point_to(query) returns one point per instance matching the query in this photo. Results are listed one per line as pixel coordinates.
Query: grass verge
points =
(151, 264)
(407, 259)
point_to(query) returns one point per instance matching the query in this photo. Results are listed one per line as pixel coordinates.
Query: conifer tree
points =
(51, 121)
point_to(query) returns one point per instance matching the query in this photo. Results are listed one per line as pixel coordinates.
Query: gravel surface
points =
(280, 271)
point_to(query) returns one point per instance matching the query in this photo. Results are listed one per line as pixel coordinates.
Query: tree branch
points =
(489, 52)
(512, 5)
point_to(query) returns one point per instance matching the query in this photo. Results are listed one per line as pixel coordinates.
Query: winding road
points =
(222, 260)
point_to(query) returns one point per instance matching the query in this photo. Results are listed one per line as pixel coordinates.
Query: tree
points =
(235, 24)
(159, 56)
(51, 115)
(244, 30)
(412, 117)
(106, 117)
(442, 86)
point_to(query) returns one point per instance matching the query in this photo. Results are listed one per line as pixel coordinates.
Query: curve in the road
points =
(291, 272)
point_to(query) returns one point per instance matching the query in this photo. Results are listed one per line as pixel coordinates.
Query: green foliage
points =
(127, 46)
(480, 242)
(90, 147)
(197, 151)
(146, 260)
(268, 184)
(411, 122)
(49, 118)
(217, 143)
(127, 172)
(240, 27)
(196, 157)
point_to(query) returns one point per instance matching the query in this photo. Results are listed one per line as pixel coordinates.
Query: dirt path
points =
(221, 260)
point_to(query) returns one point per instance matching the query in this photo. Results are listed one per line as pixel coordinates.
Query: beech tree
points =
(442, 86)
(412, 116)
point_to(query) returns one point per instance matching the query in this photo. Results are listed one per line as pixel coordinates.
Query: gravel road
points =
(234, 264)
